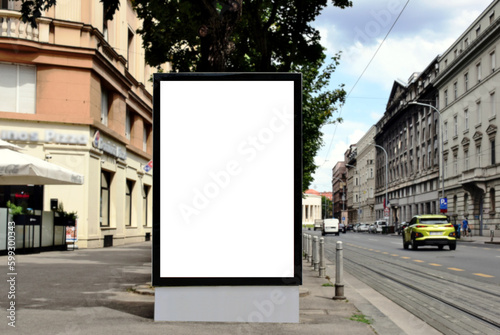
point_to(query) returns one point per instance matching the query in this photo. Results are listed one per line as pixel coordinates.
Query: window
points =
(466, 81)
(455, 125)
(455, 165)
(145, 138)
(104, 106)
(492, 200)
(478, 111)
(492, 103)
(130, 49)
(129, 185)
(466, 119)
(104, 205)
(446, 97)
(145, 204)
(445, 131)
(466, 202)
(17, 88)
(478, 71)
(492, 17)
(455, 90)
(478, 31)
(492, 147)
(478, 155)
(466, 42)
(493, 61)
(128, 124)
(445, 170)
(466, 160)
(104, 24)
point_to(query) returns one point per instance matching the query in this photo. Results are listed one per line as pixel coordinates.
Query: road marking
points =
(377, 250)
(483, 275)
(398, 255)
(418, 261)
(434, 264)
(405, 257)
(455, 269)
(385, 253)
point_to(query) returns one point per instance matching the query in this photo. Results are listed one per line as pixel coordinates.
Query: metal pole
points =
(309, 248)
(315, 253)
(386, 175)
(442, 141)
(339, 273)
(321, 257)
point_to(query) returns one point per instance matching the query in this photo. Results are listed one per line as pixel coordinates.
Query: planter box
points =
(27, 220)
(62, 221)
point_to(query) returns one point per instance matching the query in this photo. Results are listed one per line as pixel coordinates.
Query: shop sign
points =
(49, 136)
(106, 146)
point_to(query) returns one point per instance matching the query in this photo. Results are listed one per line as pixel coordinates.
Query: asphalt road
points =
(456, 292)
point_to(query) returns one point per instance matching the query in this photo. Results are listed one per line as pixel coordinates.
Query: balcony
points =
(473, 176)
(12, 26)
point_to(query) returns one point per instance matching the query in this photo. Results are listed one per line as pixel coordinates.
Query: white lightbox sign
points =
(227, 179)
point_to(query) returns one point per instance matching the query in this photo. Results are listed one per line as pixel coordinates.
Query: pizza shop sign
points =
(49, 136)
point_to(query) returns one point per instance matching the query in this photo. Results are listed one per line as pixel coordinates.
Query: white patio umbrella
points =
(17, 168)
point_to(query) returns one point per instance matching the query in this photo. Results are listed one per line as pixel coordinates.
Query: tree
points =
(318, 106)
(239, 36)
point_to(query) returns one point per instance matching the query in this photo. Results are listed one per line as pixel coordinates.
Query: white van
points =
(330, 226)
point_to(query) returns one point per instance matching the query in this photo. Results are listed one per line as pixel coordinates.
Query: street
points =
(456, 292)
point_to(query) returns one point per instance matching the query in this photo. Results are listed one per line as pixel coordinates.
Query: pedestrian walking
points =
(457, 229)
(465, 226)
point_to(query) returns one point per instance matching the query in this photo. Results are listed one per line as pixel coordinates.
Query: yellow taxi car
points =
(429, 229)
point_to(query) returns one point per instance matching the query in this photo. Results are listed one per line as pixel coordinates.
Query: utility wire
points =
(361, 75)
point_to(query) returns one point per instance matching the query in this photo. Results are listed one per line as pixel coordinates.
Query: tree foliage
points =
(239, 36)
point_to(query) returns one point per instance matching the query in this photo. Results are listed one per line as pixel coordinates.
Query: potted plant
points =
(23, 215)
(63, 218)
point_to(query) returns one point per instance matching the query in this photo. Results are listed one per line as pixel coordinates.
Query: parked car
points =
(363, 227)
(401, 227)
(372, 228)
(355, 227)
(380, 225)
(342, 228)
(429, 230)
(318, 224)
(350, 226)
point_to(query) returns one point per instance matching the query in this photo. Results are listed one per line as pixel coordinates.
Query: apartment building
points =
(468, 85)
(339, 190)
(409, 135)
(361, 170)
(76, 91)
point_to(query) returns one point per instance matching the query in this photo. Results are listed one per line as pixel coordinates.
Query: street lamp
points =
(386, 169)
(441, 131)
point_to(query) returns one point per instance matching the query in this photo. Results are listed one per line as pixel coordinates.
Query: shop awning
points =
(17, 168)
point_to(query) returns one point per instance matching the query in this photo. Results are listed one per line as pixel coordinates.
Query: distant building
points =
(311, 207)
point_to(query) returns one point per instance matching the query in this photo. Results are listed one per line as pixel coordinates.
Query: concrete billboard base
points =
(252, 304)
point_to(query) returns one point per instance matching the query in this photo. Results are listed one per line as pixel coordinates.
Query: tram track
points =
(449, 303)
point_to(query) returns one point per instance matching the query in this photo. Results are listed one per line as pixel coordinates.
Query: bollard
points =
(309, 248)
(315, 253)
(321, 257)
(304, 245)
(339, 273)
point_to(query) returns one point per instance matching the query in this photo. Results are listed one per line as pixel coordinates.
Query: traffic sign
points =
(443, 205)
(386, 211)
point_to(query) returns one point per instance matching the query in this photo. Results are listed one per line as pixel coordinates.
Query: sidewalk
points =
(96, 291)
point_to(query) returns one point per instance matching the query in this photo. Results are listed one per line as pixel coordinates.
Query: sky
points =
(424, 30)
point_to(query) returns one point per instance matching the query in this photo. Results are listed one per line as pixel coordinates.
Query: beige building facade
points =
(468, 85)
(76, 92)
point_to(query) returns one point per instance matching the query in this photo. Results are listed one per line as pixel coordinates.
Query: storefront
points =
(112, 204)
